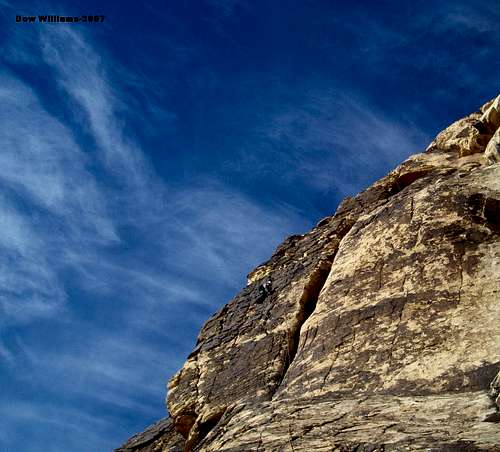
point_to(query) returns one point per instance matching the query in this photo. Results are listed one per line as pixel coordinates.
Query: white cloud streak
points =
(335, 142)
(45, 185)
(94, 220)
(92, 94)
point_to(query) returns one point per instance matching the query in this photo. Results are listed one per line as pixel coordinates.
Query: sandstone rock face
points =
(379, 330)
(159, 437)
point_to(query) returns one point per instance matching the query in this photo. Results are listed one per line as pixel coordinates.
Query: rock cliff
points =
(378, 330)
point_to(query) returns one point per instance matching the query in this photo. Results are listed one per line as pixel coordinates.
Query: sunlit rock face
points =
(378, 330)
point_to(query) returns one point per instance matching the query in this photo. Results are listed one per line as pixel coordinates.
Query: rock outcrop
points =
(379, 330)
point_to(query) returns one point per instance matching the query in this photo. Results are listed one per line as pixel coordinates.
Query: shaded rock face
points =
(159, 437)
(379, 330)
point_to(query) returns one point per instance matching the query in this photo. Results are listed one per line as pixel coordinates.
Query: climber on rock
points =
(265, 289)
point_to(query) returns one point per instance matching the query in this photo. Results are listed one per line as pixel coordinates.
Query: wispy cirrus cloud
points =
(100, 256)
(95, 100)
(332, 141)
(463, 16)
(75, 429)
(230, 222)
(45, 185)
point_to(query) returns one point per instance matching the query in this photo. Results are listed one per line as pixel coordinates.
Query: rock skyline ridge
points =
(378, 330)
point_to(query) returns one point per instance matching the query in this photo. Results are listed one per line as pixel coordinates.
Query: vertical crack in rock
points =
(202, 427)
(184, 421)
(307, 305)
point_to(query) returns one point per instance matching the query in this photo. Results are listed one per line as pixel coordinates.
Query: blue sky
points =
(149, 162)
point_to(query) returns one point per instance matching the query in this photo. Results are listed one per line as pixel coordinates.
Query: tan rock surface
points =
(377, 330)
